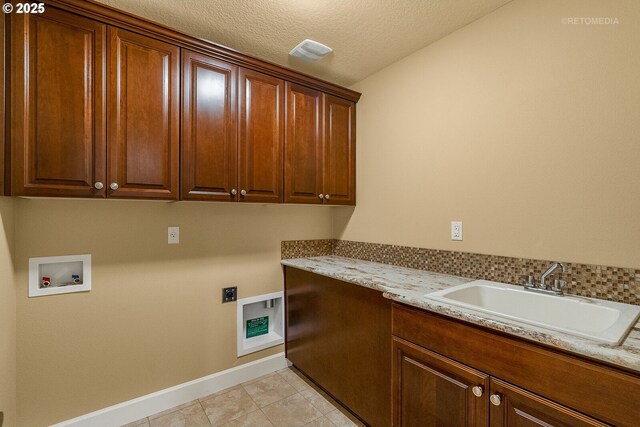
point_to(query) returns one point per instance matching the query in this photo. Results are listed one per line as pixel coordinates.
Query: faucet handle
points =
(529, 280)
(558, 285)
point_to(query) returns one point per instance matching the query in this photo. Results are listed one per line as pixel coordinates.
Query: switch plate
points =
(456, 230)
(173, 235)
(229, 294)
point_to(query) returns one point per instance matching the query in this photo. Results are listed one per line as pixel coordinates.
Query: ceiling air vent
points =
(310, 50)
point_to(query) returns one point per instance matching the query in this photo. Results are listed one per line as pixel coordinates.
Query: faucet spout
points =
(550, 270)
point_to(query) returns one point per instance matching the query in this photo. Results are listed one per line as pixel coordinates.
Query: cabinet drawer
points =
(605, 393)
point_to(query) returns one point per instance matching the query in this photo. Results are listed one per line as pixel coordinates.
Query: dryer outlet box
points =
(229, 294)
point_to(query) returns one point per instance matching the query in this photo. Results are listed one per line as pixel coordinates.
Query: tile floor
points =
(282, 399)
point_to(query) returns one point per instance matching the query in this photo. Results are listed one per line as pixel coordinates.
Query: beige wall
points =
(153, 318)
(7, 315)
(522, 127)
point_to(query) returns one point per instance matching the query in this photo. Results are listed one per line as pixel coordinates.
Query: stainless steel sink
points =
(603, 321)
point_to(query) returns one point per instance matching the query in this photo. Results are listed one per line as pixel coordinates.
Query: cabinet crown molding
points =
(131, 22)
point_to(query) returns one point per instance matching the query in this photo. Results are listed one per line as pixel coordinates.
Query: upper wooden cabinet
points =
(319, 148)
(144, 117)
(231, 144)
(58, 138)
(260, 137)
(303, 145)
(59, 141)
(339, 151)
(209, 128)
(104, 104)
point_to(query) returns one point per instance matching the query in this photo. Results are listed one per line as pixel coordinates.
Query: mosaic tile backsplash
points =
(307, 248)
(596, 281)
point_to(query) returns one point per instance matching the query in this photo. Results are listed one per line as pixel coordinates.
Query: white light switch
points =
(456, 230)
(173, 237)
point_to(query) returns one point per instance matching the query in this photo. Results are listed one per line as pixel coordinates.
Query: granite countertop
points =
(409, 286)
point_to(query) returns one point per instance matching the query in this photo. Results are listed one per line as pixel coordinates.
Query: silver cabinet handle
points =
(234, 192)
(114, 186)
(326, 196)
(98, 185)
(495, 399)
(243, 193)
(477, 391)
(321, 196)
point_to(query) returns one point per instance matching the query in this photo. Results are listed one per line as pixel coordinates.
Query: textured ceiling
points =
(366, 35)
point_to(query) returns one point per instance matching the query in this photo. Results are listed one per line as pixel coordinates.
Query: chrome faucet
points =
(558, 285)
(550, 270)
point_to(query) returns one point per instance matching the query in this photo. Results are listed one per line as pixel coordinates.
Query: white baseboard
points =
(153, 403)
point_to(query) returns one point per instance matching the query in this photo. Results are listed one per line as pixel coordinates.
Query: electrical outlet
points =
(173, 236)
(456, 230)
(229, 294)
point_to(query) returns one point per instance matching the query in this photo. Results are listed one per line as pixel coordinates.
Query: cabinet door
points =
(303, 145)
(338, 333)
(143, 116)
(209, 131)
(431, 390)
(519, 408)
(339, 151)
(261, 136)
(57, 112)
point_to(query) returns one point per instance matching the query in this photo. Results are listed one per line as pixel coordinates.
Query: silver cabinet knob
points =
(234, 192)
(321, 196)
(98, 185)
(495, 399)
(477, 391)
(243, 193)
(326, 196)
(114, 186)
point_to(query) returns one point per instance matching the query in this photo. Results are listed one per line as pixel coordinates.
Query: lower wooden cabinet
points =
(392, 364)
(431, 390)
(338, 334)
(449, 373)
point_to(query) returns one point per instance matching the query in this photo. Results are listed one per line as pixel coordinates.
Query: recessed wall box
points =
(229, 294)
(59, 275)
(260, 323)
